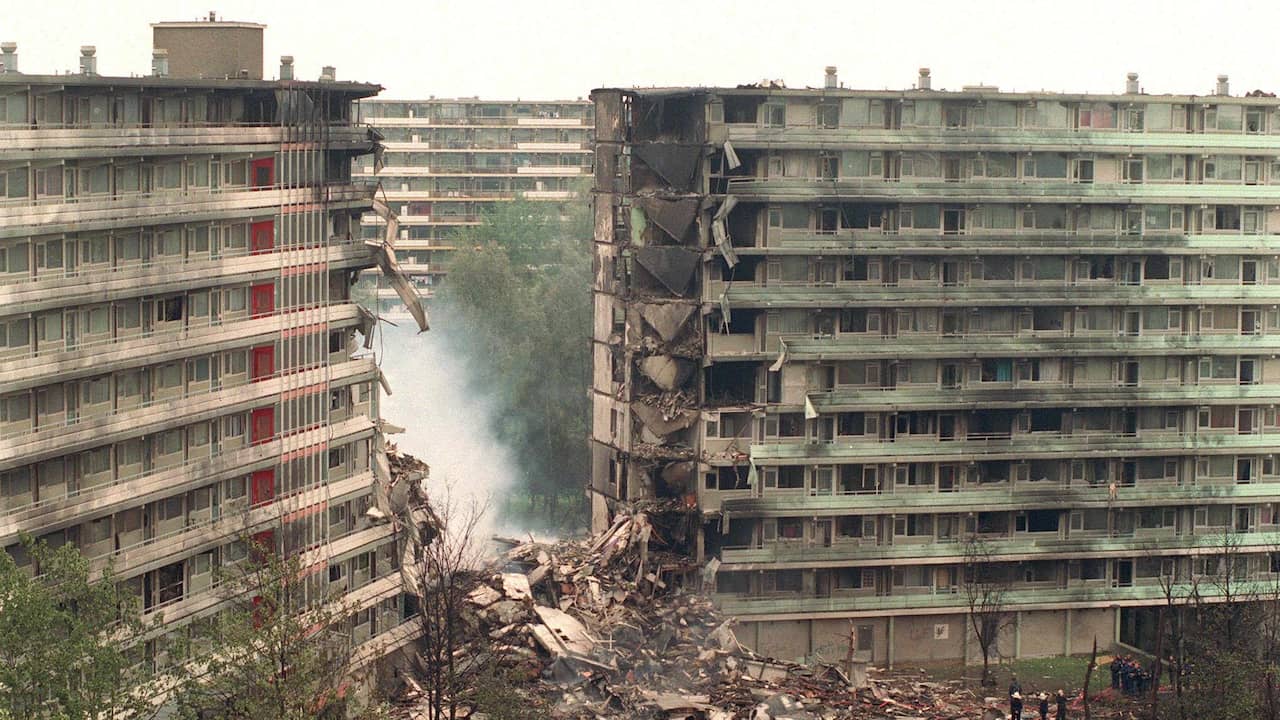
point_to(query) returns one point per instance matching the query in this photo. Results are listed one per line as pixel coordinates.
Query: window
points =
(775, 115)
(233, 299)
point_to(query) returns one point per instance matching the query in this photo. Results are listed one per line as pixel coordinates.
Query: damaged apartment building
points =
(854, 329)
(180, 370)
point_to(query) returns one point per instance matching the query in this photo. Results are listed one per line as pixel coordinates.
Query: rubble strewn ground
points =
(604, 628)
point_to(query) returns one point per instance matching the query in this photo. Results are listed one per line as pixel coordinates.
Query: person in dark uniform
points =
(1044, 706)
(1062, 705)
(1015, 706)
(1116, 664)
(1014, 686)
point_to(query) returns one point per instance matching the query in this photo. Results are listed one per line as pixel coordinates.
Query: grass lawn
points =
(1042, 674)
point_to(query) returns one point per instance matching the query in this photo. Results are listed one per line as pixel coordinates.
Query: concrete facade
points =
(862, 331)
(179, 367)
(449, 160)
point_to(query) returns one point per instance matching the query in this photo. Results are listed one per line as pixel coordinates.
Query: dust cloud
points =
(447, 424)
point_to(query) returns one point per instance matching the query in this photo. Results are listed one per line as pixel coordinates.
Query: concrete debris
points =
(516, 586)
(614, 628)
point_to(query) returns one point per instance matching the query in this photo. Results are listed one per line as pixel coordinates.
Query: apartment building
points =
(446, 161)
(861, 330)
(179, 368)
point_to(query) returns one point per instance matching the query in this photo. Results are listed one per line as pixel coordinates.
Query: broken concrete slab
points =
(570, 634)
(484, 596)
(656, 422)
(516, 586)
(679, 477)
(667, 372)
(668, 319)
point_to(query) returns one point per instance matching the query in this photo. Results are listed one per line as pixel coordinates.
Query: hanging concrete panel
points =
(674, 216)
(673, 267)
(668, 318)
(675, 163)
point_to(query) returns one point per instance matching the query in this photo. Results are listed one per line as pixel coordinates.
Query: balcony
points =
(1003, 496)
(23, 367)
(926, 190)
(139, 488)
(22, 447)
(101, 212)
(1080, 594)
(88, 284)
(19, 143)
(1020, 547)
(982, 241)
(1021, 446)
(750, 294)
(478, 121)
(201, 603)
(1033, 394)
(751, 137)
(184, 542)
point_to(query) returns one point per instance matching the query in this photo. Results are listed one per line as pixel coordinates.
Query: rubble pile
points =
(610, 627)
(604, 628)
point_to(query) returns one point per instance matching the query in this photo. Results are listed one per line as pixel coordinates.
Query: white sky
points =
(562, 49)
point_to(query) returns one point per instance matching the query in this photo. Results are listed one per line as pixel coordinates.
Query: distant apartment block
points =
(859, 329)
(448, 160)
(178, 369)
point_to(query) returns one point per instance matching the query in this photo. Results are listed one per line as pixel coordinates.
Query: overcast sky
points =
(562, 49)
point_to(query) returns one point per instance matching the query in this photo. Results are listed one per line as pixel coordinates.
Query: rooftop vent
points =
(1224, 87)
(831, 82)
(8, 57)
(1131, 84)
(160, 62)
(924, 83)
(286, 67)
(328, 73)
(88, 63)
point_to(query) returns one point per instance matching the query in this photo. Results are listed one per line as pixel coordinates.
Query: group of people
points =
(1042, 699)
(1129, 676)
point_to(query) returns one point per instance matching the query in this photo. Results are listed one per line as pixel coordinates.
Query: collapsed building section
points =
(653, 218)
(856, 332)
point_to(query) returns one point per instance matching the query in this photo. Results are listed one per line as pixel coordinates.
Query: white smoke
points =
(447, 425)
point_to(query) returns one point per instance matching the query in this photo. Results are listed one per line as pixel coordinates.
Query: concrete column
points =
(1066, 634)
(1017, 634)
(889, 644)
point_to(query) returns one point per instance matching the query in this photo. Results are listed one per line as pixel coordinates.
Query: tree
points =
(66, 638)
(518, 303)
(445, 563)
(279, 650)
(984, 590)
